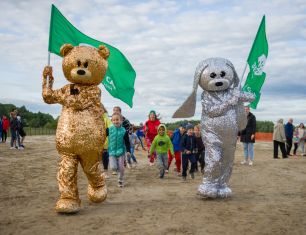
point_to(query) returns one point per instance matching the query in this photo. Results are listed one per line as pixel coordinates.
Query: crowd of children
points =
(185, 146)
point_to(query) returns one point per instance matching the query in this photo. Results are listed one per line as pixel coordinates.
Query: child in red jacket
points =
(150, 129)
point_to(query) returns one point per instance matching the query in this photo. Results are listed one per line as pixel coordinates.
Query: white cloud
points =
(164, 41)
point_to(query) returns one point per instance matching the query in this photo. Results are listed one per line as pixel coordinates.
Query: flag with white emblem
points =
(256, 61)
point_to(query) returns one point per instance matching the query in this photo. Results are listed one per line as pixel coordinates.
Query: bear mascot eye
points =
(222, 74)
(213, 75)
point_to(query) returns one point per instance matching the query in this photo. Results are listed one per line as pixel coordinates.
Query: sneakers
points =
(243, 162)
(20, 148)
(166, 171)
(192, 175)
(151, 163)
(120, 184)
(250, 163)
(179, 174)
(184, 178)
(129, 165)
(114, 173)
(12, 147)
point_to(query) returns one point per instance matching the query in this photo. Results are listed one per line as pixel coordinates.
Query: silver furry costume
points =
(222, 116)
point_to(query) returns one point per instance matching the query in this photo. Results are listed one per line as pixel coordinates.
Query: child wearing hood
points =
(161, 144)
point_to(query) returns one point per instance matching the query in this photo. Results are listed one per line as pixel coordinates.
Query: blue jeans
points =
(140, 141)
(248, 149)
(15, 138)
(193, 162)
(132, 156)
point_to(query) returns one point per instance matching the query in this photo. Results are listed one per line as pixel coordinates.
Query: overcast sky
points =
(164, 41)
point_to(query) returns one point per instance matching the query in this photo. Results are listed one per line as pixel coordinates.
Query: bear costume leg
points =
(212, 171)
(69, 201)
(97, 190)
(227, 165)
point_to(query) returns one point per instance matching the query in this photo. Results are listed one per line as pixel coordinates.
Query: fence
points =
(37, 131)
(261, 136)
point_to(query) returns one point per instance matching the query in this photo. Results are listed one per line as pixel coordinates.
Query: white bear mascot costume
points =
(222, 116)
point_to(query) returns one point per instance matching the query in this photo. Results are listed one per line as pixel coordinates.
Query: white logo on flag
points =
(258, 69)
(109, 83)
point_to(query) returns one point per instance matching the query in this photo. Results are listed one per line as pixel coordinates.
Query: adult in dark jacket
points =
(289, 128)
(247, 137)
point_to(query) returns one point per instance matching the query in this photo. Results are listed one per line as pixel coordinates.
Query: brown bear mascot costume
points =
(80, 132)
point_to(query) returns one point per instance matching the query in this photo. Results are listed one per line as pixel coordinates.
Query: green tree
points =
(30, 119)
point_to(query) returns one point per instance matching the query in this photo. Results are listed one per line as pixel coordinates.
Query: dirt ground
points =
(268, 197)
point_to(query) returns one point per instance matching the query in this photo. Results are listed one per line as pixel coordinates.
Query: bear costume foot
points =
(207, 190)
(67, 206)
(224, 192)
(97, 194)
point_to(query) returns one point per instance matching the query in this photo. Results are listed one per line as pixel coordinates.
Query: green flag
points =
(256, 61)
(120, 75)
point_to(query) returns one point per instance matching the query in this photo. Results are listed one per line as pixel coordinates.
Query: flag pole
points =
(49, 58)
(242, 75)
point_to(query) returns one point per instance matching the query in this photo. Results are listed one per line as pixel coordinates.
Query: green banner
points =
(120, 75)
(256, 61)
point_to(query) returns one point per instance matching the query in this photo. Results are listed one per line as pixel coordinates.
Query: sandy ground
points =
(269, 198)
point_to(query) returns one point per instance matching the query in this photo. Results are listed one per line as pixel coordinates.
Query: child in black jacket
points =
(189, 147)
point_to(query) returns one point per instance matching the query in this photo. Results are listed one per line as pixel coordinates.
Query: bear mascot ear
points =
(236, 78)
(103, 51)
(65, 49)
(188, 108)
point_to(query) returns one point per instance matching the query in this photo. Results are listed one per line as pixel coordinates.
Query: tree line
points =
(30, 119)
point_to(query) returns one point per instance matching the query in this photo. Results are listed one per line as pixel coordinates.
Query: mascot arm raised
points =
(51, 96)
(246, 97)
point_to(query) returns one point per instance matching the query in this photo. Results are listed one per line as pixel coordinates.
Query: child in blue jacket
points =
(176, 142)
